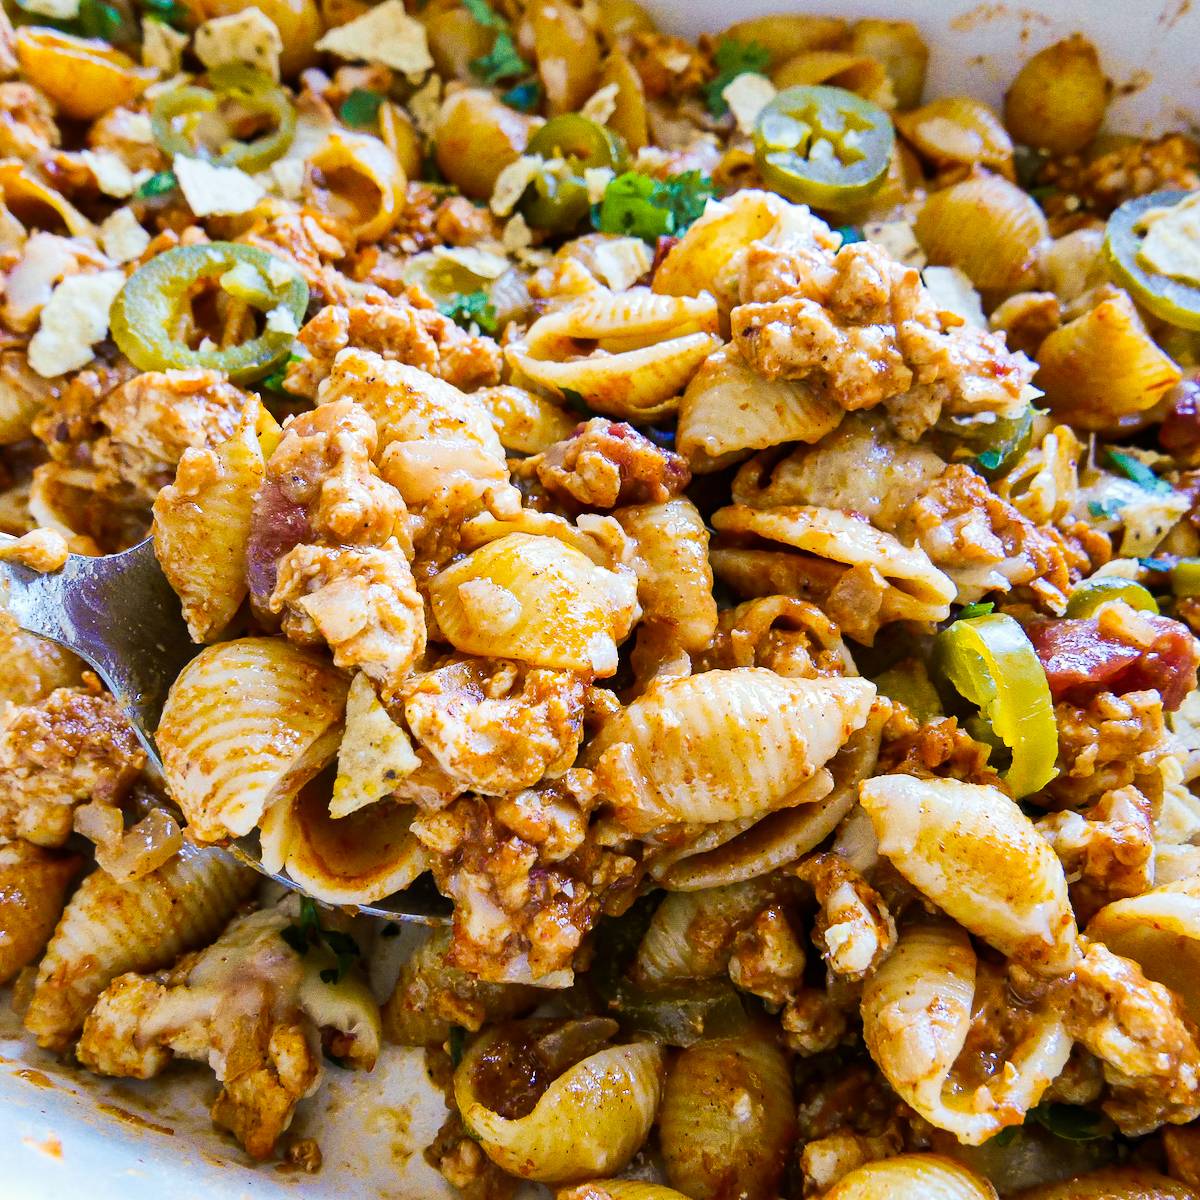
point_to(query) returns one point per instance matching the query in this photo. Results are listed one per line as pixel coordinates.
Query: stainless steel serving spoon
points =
(120, 615)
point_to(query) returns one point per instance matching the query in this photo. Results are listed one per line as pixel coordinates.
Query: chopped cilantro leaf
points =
(457, 1043)
(100, 20)
(1157, 564)
(483, 12)
(732, 58)
(525, 97)
(1136, 470)
(980, 608)
(501, 62)
(170, 12)
(157, 185)
(1069, 1121)
(989, 460)
(641, 206)
(471, 308)
(685, 197)
(296, 938)
(850, 234)
(360, 109)
(574, 400)
(308, 932)
(1105, 510)
(274, 381)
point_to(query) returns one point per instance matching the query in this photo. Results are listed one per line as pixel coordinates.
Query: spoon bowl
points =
(121, 616)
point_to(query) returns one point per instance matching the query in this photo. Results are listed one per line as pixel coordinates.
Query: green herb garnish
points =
(574, 400)
(360, 109)
(483, 12)
(457, 1043)
(1137, 471)
(1105, 510)
(170, 12)
(525, 97)
(980, 608)
(1157, 564)
(732, 58)
(503, 61)
(1069, 1121)
(100, 20)
(309, 932)
(471, 308)
(157, 185)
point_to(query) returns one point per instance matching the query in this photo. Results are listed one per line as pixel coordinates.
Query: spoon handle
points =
(119, 614)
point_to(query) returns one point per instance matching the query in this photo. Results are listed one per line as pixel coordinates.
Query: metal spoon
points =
(120, 615)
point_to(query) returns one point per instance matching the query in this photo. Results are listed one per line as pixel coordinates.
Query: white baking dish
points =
(66, 1135)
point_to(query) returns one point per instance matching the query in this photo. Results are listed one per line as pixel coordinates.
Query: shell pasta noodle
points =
(712, 525)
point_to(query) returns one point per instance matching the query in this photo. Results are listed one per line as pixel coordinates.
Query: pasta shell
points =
(912, 1177)
(958, 131)
(647, 347)
(109, 928)
(537, 598)
(863, 468)
(711, 1153)
(435, 442)
(972, 851)
(785, 35)
(1113, 1183)
(691, 934)
(901, 49)
(567, 53)
(710, 256)
(629, 105)
(620, 321)
(33, 886)
(590, 1121)
(917, 1009)
(85, 77)
(1058, 99)
(525, 422)
(723, 745)
(988, 228)
(859, 73)
(1160, 931)
(911, 587)
(619, 1189)
(431, 997)
(1103, 369)
(637, 385)
(729, 409)
(354, 176)
(356, 859)
(674, 576)
(37, 205)
(226, 763)
(782, 837)
(202, 526)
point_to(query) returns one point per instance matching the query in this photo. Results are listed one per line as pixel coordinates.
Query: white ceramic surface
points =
(154, 1141)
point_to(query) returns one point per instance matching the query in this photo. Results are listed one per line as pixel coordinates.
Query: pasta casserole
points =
(728, 521)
